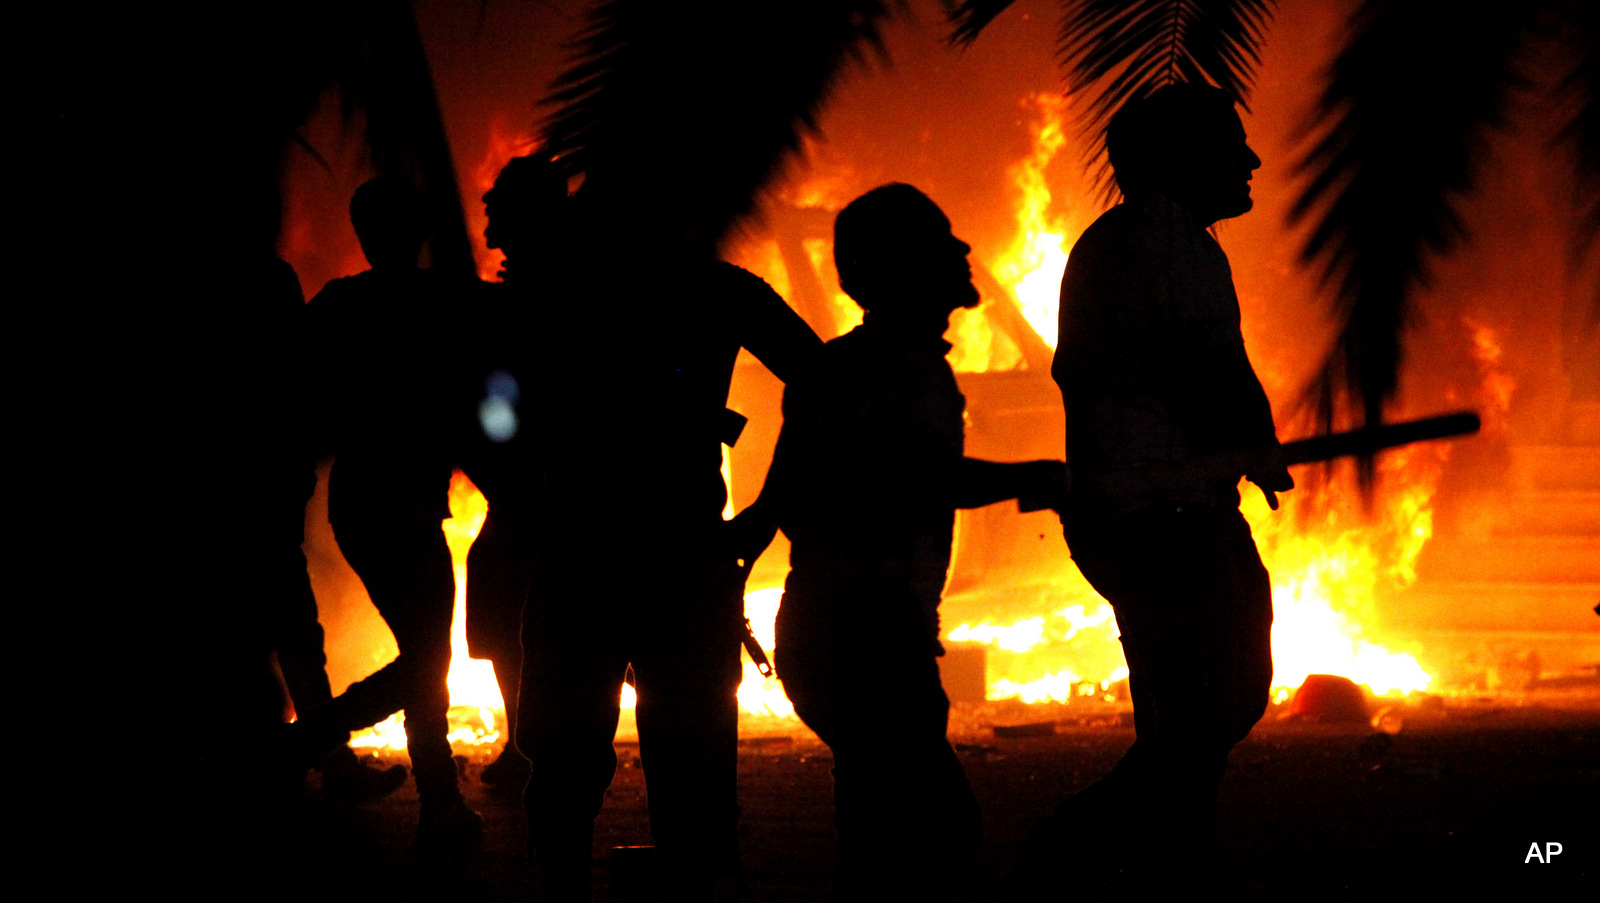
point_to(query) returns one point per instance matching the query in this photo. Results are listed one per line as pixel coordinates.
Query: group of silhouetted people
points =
(589, 407)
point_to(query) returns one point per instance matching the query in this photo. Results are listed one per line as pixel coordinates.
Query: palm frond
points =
(1580, 136)
(384, 74)
(702, 103)
(969, 17)
(1395, 142)
(265, 68)
(1117, 50)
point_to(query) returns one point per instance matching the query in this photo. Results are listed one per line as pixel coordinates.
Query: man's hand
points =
(749, 534)
(1042, 484)
(1271, 476)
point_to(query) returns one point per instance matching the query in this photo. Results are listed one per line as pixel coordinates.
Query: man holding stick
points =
(1164, 415)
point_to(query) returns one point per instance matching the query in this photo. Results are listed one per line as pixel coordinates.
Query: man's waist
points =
(1127, 488)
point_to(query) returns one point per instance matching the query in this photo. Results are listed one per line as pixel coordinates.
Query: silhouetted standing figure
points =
(1164, 415)
(635, 564)
(387, 374)
(867, 477)
(526, 209)
(273, 472)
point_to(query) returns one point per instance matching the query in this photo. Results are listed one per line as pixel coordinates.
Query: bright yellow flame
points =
(472, 680)
(1327, 577)
(474, 695)
(1018, 637)
(1033, 266)
(1028, 633)
(763, 695)
(1055, 687)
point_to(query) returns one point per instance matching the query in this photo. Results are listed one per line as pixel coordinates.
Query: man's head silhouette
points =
(1184, 141)
(523, 203)
(391, 220)
(896, 254)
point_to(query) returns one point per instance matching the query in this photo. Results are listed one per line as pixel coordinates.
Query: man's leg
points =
(572, 667)
(687, 665)
(407, 572)
(499, 575)
(1193, 604)
(905, 814)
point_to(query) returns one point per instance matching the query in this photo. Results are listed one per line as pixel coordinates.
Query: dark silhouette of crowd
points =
(605, 555)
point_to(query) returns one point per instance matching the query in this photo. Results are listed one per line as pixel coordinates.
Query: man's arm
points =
(1035, 484)
(753, 529)
(770, 329)
(1226, 415)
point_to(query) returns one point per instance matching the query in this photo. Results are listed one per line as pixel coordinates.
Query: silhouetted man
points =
(386, 372)
(635, 565)
(1164, 415)
(526, 209)
(867, 477)
(275, 470)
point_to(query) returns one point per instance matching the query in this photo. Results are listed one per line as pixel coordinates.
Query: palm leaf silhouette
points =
(1117, 50)
(1580, 89)
(1396, 141)
(693, 108)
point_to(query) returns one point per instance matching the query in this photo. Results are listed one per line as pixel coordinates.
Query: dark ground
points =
(1449, 805)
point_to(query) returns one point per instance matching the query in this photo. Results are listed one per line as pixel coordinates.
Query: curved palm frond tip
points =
(700, 105)
(970, 17)
(1142, 46)
(1396, 142)
(1581, 135)
(1117, 50)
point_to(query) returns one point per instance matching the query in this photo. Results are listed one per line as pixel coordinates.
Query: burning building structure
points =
(1473, 568)
(1472, 565)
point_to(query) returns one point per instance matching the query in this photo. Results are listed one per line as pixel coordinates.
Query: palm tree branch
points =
(1394, 145)
(698, 106)
(1115, 51)
(1580, 135)
(971, 17)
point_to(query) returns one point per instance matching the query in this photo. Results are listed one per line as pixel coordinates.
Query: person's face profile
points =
(945, 270)
(493, 214)
(1223, 164)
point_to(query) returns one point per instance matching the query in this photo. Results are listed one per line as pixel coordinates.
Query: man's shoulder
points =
(1136, 223)
(742, 291)
(340, 292)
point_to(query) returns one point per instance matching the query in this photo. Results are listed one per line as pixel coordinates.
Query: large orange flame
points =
(1033, 265)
